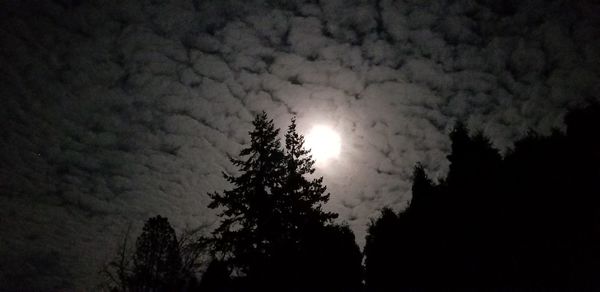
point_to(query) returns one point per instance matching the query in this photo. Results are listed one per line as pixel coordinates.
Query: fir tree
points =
(272, 208)
(249, 214)
(302, 198)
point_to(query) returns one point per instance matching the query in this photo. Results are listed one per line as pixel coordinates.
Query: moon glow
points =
(324, 143)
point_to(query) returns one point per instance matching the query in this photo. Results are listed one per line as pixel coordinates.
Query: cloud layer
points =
(116, 111)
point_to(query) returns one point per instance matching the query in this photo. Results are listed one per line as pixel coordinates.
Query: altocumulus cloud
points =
(115, 111)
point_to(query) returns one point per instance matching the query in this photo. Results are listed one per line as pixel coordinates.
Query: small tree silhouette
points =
(156, 262)
(159, 261)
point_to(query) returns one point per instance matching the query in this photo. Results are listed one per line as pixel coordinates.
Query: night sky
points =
(115, 111)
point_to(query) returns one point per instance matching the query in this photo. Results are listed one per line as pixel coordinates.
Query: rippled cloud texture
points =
(115, 111)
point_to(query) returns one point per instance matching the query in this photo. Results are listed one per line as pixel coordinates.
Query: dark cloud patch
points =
(116, 111)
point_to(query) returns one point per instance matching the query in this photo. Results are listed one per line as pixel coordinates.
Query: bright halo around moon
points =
(324, 144)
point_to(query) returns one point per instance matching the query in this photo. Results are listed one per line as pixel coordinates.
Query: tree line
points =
(528, 219)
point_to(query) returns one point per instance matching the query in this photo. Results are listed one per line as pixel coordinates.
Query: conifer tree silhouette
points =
(301, 198)
(272, 208)
(250, 220)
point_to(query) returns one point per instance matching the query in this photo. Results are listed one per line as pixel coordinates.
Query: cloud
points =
(114, 112)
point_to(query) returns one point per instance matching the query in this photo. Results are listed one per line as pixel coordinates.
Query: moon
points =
(324, 144)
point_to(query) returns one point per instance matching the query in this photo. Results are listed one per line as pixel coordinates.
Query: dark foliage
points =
(216, 277)
(527, 221)
(156, 262)
(330, 260)
(159, 261)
